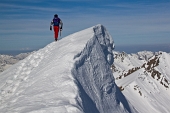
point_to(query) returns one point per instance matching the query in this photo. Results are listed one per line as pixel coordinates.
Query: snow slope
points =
(144, 79)
(69, 76)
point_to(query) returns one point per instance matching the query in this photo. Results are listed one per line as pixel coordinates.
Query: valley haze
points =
(126, 48)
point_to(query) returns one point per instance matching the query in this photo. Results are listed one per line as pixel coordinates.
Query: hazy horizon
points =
(136, 48)
(126, 48)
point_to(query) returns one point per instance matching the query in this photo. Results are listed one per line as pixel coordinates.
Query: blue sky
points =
(24, 24)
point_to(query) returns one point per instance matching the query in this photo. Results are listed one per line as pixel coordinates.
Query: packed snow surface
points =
(71, 75)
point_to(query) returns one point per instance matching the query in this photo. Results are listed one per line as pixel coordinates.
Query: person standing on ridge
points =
(57, 25)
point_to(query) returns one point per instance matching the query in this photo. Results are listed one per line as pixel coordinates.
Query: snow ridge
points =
(72, 75)
(98, 91)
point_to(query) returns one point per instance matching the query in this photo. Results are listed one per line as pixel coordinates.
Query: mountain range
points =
(8, 60)
(144, 79)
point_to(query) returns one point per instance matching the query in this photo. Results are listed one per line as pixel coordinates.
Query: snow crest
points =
(69, 76)
(98, 91)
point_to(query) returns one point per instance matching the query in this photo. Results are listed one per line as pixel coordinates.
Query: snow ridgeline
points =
(69, 76)
(98, 91)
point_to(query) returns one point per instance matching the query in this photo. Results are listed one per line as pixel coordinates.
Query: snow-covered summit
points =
(69, 76)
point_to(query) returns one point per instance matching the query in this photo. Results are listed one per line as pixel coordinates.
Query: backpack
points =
(56, 21)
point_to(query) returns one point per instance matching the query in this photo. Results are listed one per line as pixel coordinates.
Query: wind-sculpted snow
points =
(71, 75)
(98, 91)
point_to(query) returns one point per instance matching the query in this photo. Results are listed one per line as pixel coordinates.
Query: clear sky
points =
(25, 24)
